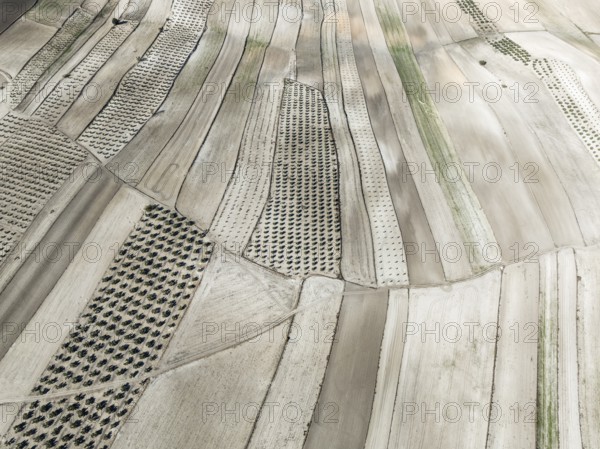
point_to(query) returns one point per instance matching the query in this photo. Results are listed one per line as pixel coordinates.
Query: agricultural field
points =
(300, 224)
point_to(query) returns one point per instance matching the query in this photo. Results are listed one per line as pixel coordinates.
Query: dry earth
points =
(299, 224)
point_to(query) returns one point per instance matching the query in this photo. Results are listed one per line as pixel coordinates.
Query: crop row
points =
(570, 95)
(43, 59)
(121, 334)
(390, 262)
(65, 92)
(488, 30)
(35, 161)
(299, 230)
(146, 85)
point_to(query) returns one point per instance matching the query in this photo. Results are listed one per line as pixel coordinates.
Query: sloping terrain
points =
(361, 224)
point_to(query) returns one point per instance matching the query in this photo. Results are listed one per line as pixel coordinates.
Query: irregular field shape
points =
(439, 218)
(35, 160)
(431, 390)
(320, 299)
(402, 189)
(60, 99)
(64, 37)
(144, 88)
(97, 351)
(246, 195)
(299, 232)
(232, 344)
(466, 210)
(159, 130)
(163, 180)
(82, 111)
(357, 262)
(390, 264)
(222, 145)
(321, 307)
(64, 304)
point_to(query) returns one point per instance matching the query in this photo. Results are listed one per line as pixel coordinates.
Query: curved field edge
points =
(467, 213)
